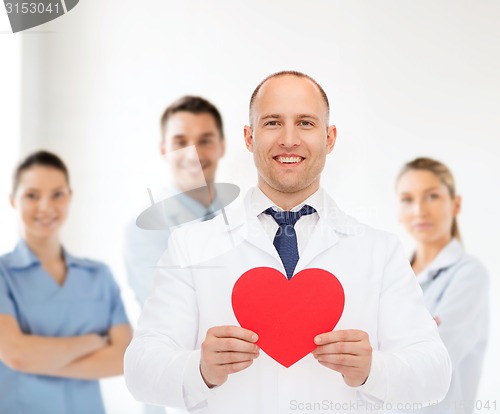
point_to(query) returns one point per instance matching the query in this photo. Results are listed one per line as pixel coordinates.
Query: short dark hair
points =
(195, 105)
(289, 73)
(38, 158)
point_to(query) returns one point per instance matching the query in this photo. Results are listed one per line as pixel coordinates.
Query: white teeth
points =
(289, 160)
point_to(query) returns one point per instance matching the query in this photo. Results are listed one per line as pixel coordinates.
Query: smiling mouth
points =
(46, 222)
(422, 226)
(289, 160)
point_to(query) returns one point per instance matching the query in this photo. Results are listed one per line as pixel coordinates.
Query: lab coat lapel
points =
(244, 226)
(259, 239)
(447, 257)
(332, 225)
(323, 238)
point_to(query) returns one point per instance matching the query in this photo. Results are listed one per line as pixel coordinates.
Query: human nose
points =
(419, 208)
(191, 154)
(45, 204)
(289, 137)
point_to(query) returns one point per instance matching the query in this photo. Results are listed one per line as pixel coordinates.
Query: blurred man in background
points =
(192, 142)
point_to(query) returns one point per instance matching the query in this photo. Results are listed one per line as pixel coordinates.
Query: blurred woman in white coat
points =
(455, 284)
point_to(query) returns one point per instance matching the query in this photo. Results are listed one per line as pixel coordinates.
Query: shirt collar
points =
(72, 261)
(260, 202)
(197, 208)
(448, 256)
(328, 211)
(22, 257)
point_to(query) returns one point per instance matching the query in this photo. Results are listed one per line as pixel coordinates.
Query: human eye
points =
(271, 123)
(433, 196)
(205, 141)
(179, 143)
(306, 123)
(59, 194)
(406, 200)
(31, 196)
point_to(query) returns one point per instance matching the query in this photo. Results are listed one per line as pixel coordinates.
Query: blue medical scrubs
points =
(88, 302)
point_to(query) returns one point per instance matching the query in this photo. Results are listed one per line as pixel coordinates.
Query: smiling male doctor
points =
(189, 352)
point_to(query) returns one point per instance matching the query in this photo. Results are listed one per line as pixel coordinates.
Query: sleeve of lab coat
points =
(410, 363)
(161, 365)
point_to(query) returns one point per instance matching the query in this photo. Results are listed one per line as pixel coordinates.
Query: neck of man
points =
(288, 200)
(204, 195)
(425, 253)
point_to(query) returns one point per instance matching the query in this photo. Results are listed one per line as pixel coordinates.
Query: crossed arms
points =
(88, 356)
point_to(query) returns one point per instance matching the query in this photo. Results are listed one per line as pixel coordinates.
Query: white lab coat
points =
(456, 289)
(193, 291)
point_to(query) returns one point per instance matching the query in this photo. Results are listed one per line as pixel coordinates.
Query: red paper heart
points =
(287, 314)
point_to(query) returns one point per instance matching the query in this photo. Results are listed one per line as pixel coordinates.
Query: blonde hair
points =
(442, 172)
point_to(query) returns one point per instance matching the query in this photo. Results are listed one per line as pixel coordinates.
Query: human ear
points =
(223, 147)
(247, 132)
(163, 148)
(331, 137)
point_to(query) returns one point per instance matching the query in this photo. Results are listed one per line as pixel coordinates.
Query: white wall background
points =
(405, 79)
(10, 123)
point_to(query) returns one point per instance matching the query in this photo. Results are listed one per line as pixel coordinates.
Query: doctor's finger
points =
(233, 332)
(233, 344)
(223, 358)
(353, 348)
(344, 360)
(346, 335)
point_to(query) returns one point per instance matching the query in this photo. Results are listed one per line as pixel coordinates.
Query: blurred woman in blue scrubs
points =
(62, 321)
(455, 284)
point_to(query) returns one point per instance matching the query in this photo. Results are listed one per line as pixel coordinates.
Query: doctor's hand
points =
(226, 350)
(348, 352)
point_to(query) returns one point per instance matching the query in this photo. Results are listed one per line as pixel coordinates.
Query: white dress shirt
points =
(192, 293)
(456, 290)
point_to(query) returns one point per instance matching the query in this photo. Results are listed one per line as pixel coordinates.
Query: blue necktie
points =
(285, 240)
